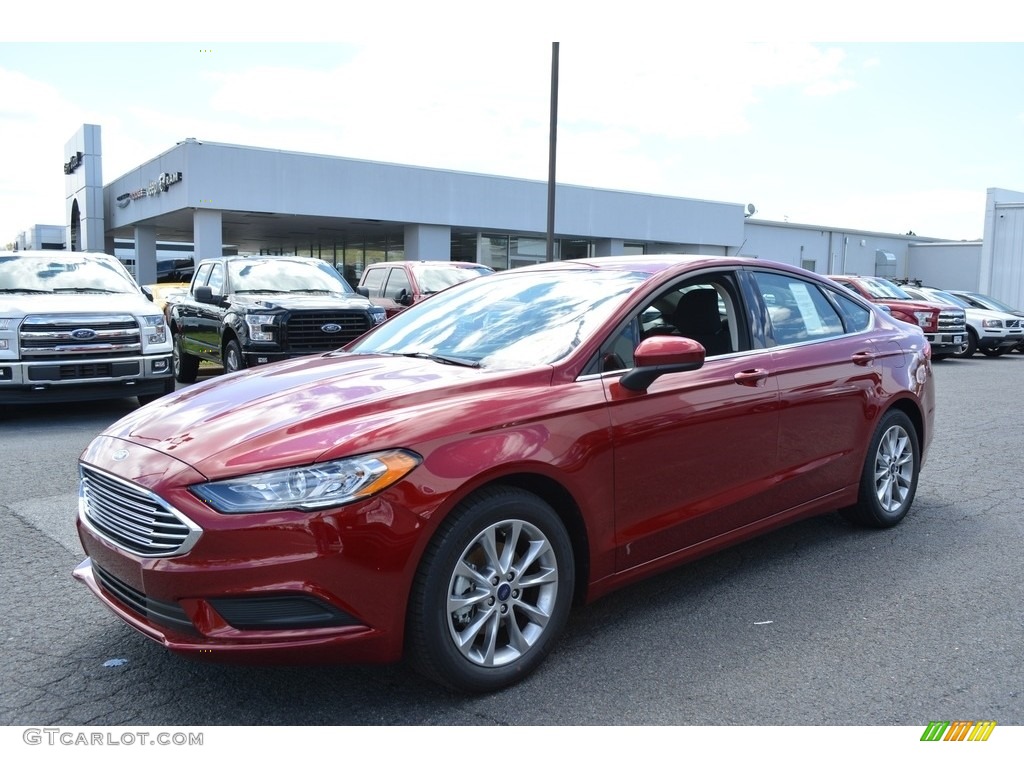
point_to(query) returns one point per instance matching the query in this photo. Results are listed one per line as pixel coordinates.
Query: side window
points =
(373, 279)
(705, 309)
(216, 281)
(398, 281)
(203, 275)
(858, 318)
(797, 309)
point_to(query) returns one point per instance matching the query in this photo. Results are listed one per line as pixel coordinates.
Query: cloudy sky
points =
(880, 135)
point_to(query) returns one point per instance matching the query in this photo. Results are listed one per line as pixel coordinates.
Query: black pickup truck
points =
(247, 310)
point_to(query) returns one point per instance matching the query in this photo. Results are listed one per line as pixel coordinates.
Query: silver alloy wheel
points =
(894, 468)
(232, 358)
(502, 593)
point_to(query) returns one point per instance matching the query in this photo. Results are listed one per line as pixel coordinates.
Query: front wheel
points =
(233, 360)
(493, 592)
(186, 366)
(995, 352)
(889, 478)
(971, 347)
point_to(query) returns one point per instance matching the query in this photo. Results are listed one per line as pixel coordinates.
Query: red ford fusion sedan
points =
(447, 487)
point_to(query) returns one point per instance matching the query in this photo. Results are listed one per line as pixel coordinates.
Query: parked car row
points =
(956, 323)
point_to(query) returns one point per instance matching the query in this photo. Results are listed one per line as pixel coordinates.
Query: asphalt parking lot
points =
(817, 624)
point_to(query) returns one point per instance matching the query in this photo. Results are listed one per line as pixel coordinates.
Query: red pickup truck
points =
(944, 325)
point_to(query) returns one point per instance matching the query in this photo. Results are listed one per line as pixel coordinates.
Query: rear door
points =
(828, 368)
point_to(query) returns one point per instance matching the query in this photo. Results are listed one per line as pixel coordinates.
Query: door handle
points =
(863, 358)
(753, 378)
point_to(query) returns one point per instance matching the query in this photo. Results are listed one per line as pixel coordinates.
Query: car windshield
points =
(949, 298)
(436, 278)
(285, 276)
(987, 302)
(512, 320)
(879, 288)
(64, 273)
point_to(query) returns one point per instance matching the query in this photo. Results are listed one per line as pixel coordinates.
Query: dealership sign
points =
(163, 181)
(73, 163)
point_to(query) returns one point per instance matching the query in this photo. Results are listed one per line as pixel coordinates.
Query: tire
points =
(233, 360)
(997, 352)
(492, 593)
(889, 478)
(186, 366)
(972, 345)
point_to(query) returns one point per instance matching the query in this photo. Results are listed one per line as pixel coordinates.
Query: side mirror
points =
(404, 298)
(658, 355)
(363, 291)
(204, 294)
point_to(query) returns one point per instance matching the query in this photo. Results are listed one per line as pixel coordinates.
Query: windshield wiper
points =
(446, 359)
(85, 290)
(22, 290)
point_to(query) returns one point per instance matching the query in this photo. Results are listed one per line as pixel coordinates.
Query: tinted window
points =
(858, 318)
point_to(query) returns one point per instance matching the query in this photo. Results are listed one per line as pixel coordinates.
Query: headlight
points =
(991, 323)
(155, 329)
(330, 484)
(923, 318)
(379, 315)
(256, 330)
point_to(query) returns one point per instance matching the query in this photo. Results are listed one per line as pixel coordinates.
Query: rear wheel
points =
(889, 479)
(997, 352)
(493, 592)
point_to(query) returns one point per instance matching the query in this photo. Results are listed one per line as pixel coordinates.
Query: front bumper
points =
(947, 343)
(49, 381)
(277, 587)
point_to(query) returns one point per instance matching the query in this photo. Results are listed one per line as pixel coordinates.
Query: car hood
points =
(77, 303)
(293, 301)
(314, 408)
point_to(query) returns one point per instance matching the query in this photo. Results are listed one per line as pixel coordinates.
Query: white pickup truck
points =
(76, 326)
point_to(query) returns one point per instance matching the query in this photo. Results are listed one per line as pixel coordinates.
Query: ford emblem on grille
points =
(83, 334)
(330, 328)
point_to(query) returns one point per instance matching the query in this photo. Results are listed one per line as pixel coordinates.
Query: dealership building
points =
(200, 199)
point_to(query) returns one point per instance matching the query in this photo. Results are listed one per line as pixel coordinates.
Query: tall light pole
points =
(553, 134)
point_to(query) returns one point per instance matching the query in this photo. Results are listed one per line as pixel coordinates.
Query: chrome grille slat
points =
(133, 518)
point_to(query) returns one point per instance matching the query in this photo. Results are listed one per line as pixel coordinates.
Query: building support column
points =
(145, 255)
(209, 237)
(428, 242)
(609, 247)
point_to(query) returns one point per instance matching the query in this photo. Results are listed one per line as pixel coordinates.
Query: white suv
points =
(991, 332)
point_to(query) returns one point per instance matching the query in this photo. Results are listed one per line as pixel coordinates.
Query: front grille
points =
(159, 612)
(75, 371)
(1015, 323)
(133, 518)
(47, 337)
(951, 321)
(306, 334)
